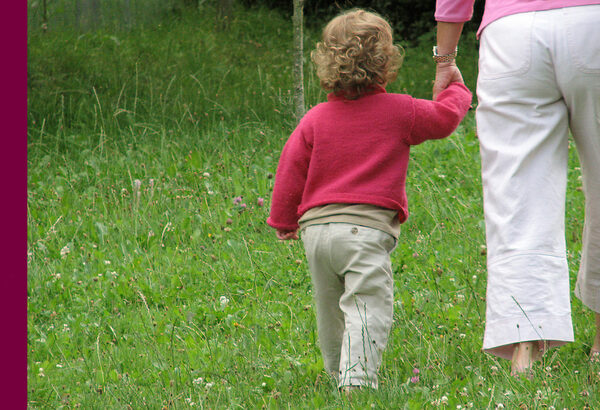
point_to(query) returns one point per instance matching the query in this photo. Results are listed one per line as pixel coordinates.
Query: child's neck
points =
(354, 94)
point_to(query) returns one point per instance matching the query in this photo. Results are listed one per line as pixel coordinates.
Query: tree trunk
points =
(127, 19)
(44, 16)
(224, 13)
(78, 14)
(95, 13)
(298, 23)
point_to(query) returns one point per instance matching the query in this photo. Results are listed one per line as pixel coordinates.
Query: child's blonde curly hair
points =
(356, 53)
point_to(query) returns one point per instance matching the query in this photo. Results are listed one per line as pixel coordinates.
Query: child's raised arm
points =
(438, 119)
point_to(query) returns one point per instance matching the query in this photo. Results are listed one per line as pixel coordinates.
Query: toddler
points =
(341, 181)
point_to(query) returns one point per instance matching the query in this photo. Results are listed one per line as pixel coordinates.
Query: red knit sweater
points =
(356, 151)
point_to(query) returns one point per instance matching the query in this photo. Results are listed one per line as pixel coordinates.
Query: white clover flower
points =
(65, 251)
(209, 385)
(444, 400)
(206, 175)
(224, 301)
(199, 380)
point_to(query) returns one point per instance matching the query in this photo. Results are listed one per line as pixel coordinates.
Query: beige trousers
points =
(353, 291)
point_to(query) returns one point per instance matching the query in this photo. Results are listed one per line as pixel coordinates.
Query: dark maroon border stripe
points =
(13, 169)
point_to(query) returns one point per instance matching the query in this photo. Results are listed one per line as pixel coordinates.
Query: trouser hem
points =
(501, 335)
(588, 297)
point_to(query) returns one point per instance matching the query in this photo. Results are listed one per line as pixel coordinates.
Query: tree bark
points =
(95, 13)
(298, 22)
(44, 16)
(127, 20)
(224, 13)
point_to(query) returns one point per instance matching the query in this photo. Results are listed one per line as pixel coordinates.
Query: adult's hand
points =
(448, 35)
(445, 74)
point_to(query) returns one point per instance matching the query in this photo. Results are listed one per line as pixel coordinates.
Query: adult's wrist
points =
(446, 64)
(443, 58)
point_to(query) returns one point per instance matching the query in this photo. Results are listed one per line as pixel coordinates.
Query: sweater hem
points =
(357, 199)
(282, 226)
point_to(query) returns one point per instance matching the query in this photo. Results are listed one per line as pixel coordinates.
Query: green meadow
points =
(153, 279)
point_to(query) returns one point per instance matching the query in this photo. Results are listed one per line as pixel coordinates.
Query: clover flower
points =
(65, 251)
(224, 301)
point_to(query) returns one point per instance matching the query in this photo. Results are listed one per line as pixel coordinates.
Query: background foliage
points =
(410, 19)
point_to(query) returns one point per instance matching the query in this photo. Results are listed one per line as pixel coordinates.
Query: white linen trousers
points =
(539, 76)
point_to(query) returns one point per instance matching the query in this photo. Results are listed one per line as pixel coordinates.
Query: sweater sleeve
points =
(290, 180)
(438, 119)
(454, 11)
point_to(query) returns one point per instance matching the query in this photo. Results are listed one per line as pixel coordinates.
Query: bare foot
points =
(524, 355)
(348, 390)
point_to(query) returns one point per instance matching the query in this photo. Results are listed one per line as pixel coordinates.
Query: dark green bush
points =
(410, 19)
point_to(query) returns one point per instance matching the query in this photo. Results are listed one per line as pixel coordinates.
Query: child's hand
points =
(287, 235)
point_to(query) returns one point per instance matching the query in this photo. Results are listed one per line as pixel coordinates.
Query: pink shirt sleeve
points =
(454, 11)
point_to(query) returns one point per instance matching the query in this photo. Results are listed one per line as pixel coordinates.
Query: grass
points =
(151, 283)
